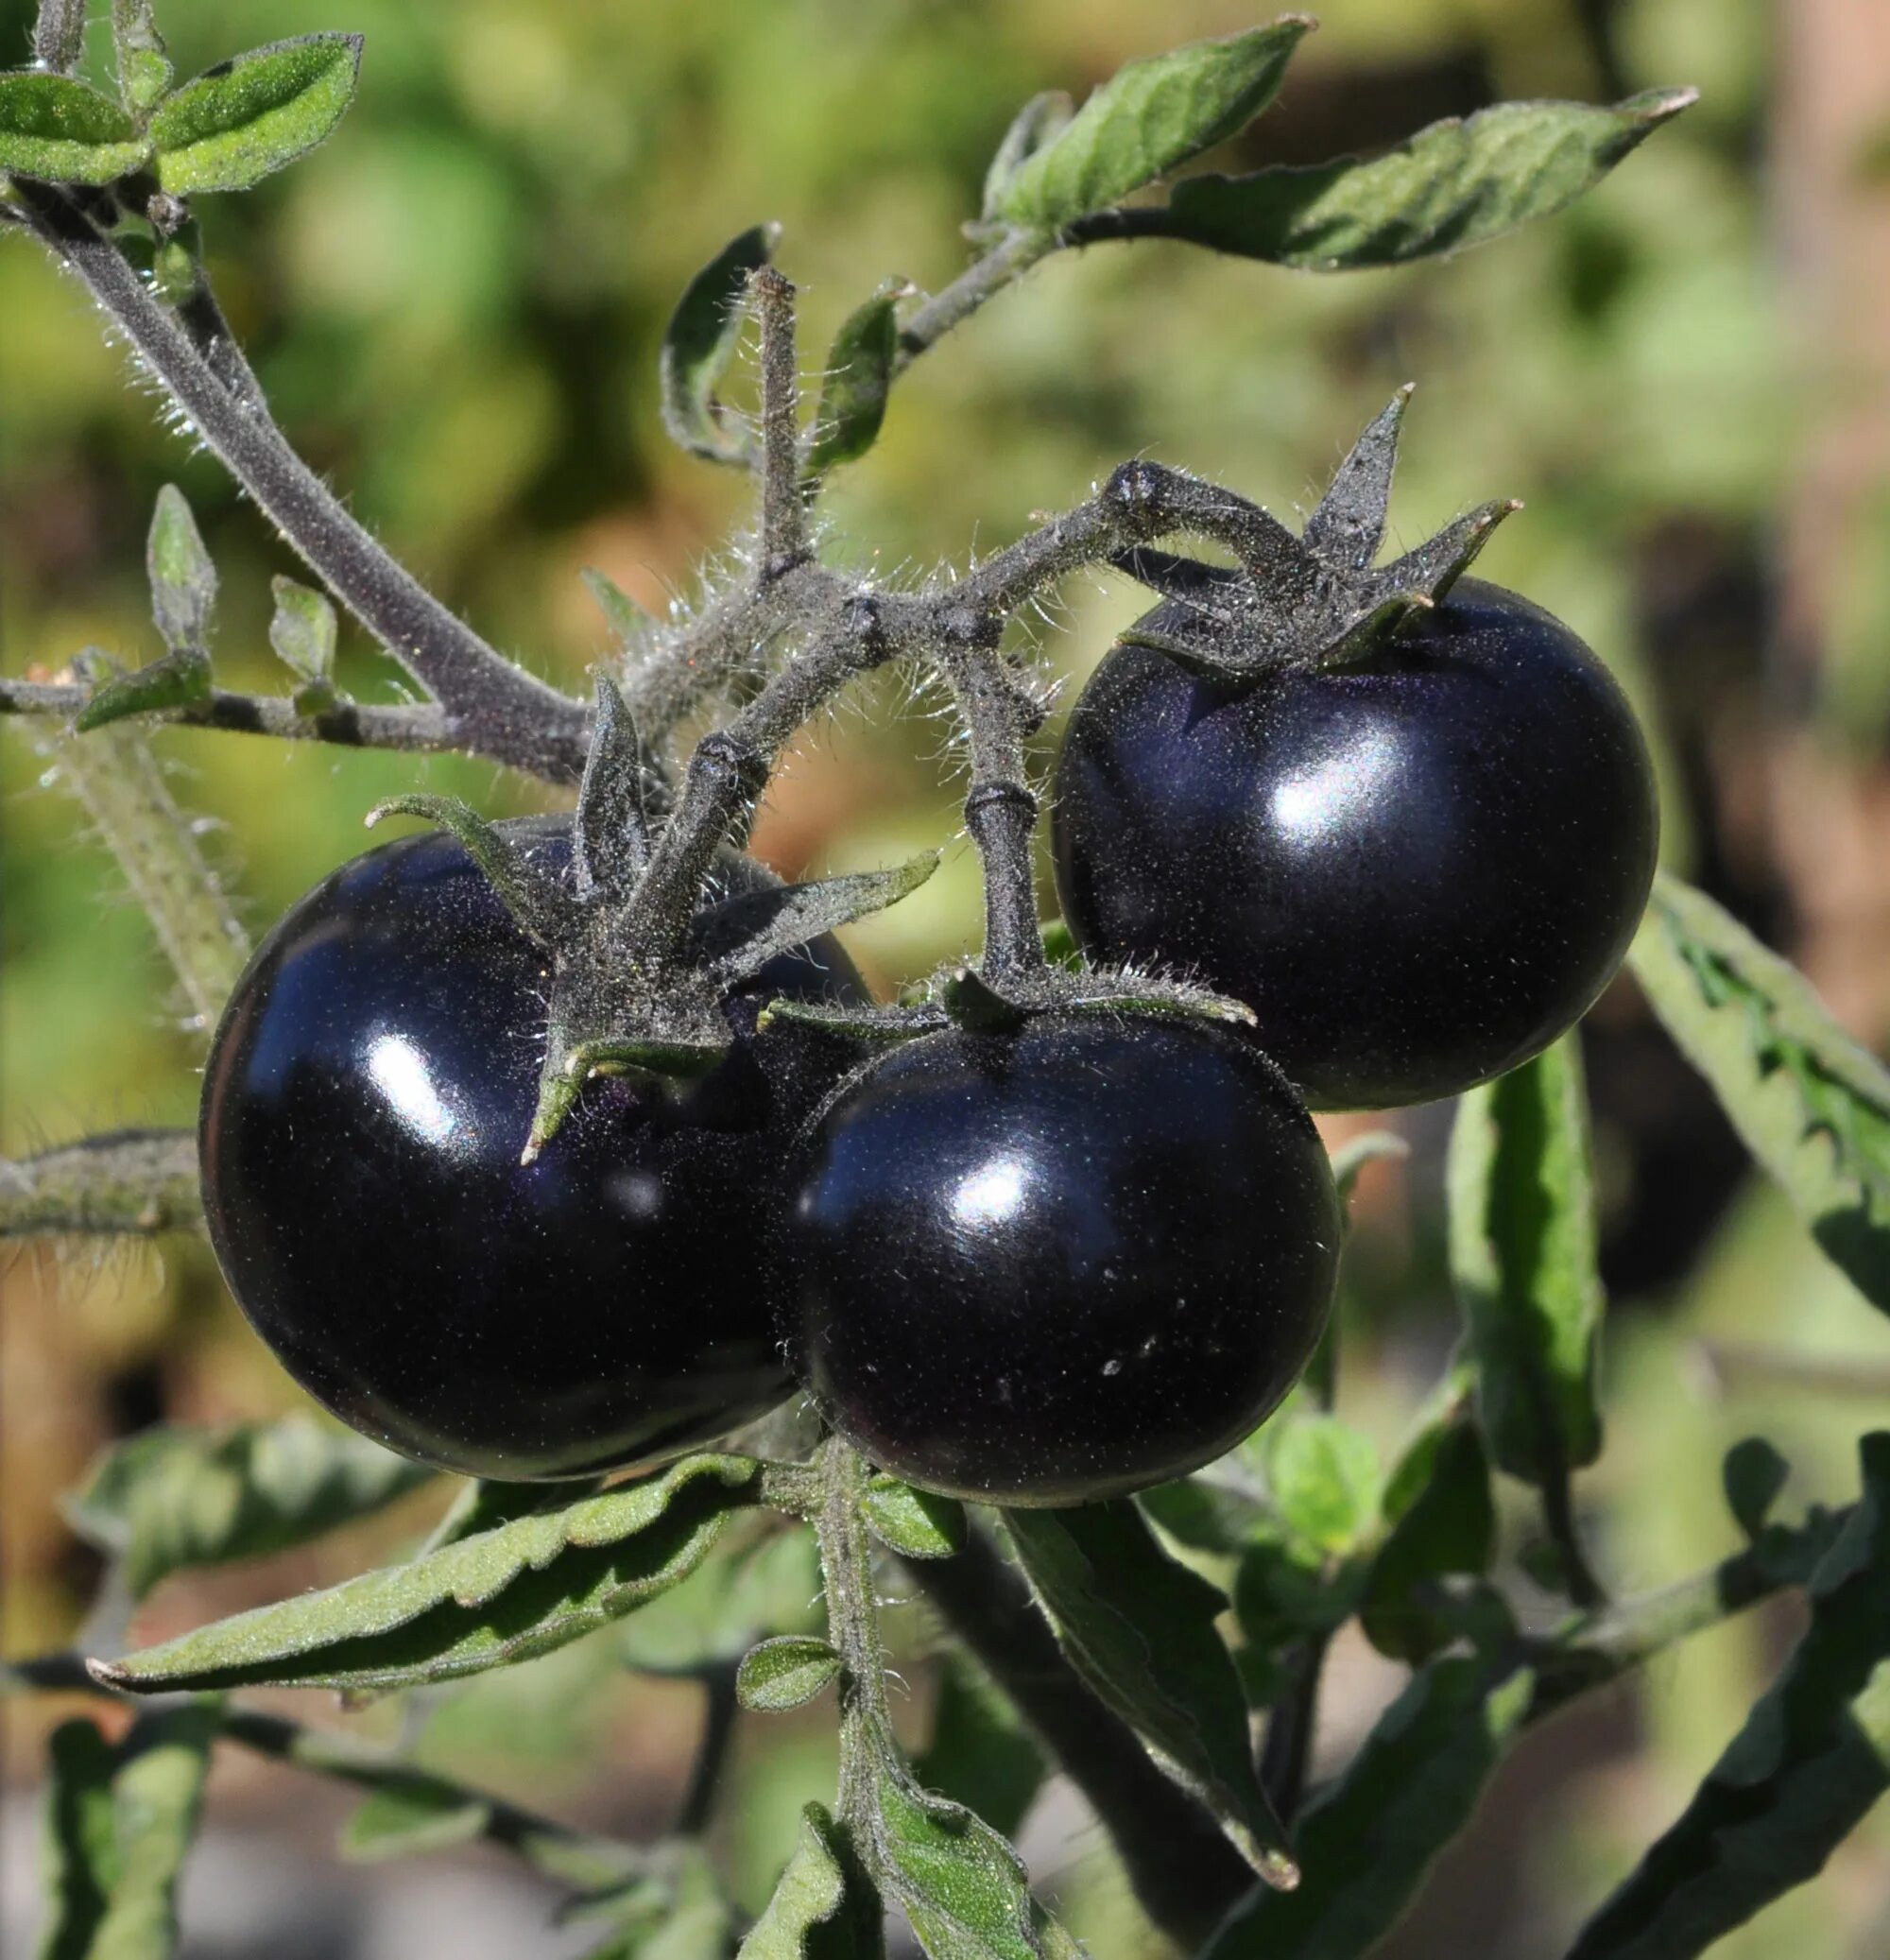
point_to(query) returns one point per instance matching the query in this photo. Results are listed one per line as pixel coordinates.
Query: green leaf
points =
(915, 1523)
(1812, 1760)
(63, 131)
(168, 1500)
(1150, 116)
(1324, 1479)
(1443, 1522)
(504, 1597)
(1523, 1260)
(173, 681)
(1367, 1841)
(1452, 184)
(959, 1883)
(858, 379)
(244, 118)
(1753, 1475)
(1140, 1629)
(1811, 1106)
(700, 343)
(119, 1825)
(144, 68)
(1041, 119)
(786, 1672)
(183, 578)
(805, 1918)
(303, 631)
(980, 1755)
(409, 1821)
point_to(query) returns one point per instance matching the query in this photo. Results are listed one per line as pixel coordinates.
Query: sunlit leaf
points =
(1150, 116)
(504, 1597)
(242, 119)
(167, 1500)
(1452, 184)
(1811, 1106)
(786, 1672)
(63, 131)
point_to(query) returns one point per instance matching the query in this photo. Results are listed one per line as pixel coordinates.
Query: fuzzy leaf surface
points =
(915, 1523)
(119, 1824)
(784, 1671)
(701, 342)
(171, 1499)
(1150, 116)
(1523, 1262)
(1812, 1760)
(959, 1883)
(1811, 1106)
(859, 377)
(1456, 183)
(240, 120)
(1367, 1841)
(411, 1821)
(59, 131)
(805, 1918)
(1140, 1629)
(508, 1595)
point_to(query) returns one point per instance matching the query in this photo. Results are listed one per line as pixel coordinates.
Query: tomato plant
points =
(551, 1150)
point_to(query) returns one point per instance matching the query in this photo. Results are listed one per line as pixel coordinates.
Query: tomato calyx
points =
(1317, 599)
(634, 988)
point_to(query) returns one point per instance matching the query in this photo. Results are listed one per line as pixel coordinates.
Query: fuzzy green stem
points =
(115, 777)
(419, 728)
(131, 1183)
(983, 280)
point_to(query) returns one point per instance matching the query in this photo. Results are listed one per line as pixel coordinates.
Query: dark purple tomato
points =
(370, 1088)
(1417, 870)
(1055, 1265)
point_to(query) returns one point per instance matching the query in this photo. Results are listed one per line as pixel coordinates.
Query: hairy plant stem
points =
(494, 709)
(422, 728)
(116, 778)
(129, 1182)
(1183, 1871)
(59, 35)
(986, 277)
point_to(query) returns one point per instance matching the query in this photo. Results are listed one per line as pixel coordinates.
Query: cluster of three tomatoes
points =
(1043, 1265)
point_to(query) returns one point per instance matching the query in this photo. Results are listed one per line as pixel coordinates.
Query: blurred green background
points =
(456, 308)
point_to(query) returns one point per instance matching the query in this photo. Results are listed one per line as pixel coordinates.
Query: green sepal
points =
(537, 906)
(237, 122)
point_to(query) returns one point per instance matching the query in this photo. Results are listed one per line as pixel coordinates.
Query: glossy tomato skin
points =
(1057, 1266)
(368, 1091)
(1419, 870)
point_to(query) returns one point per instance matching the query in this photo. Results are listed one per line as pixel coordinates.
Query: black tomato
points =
(1419, 870)
(370, 1088)
(1060, 1264)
